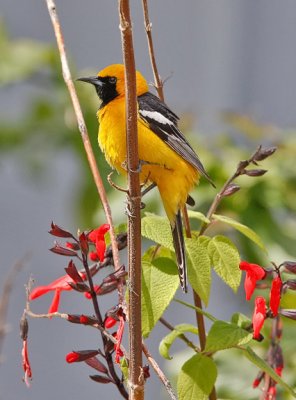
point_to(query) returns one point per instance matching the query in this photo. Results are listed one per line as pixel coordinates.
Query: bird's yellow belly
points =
(160, 164)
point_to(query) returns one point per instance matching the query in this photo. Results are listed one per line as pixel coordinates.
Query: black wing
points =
(164, 123)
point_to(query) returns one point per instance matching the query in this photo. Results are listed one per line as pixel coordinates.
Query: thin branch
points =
(158, 83)
(84, 133)
(159, 372)
(136, 379)
(181, 336)
(258, 155)
(6, 293)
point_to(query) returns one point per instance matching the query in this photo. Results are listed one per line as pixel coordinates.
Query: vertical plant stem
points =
(84, 133)
(158, 83)
(136, 380)
(159, 88)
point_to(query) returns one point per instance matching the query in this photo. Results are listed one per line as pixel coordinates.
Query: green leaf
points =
(199, 266)
(225, 260)
(245, 230)
(224, 335)
(197, 378)
(198, 215)
(199, 310)
(158, 230)
(168, 340)
(240, 320)
(159, 284)
(263, 366)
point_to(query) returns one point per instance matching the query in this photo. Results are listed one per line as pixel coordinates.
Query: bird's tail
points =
(178, 240)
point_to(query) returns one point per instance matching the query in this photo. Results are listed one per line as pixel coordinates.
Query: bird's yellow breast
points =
(174, 176)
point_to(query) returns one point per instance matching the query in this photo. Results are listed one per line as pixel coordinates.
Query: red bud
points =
(78, 356)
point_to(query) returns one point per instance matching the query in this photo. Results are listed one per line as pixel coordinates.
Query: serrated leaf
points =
(168, 340)
(224, 335)
(263, 366)
(225, 259)
(245, 230)
(160, 282)
(197, 378)
(158, 230)
(199, 266)
(198, 215)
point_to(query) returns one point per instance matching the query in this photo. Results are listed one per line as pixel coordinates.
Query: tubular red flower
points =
(258, 316)
(97, 236)
(26, 363)
(254, 273)
(275, 295)
(57, 286)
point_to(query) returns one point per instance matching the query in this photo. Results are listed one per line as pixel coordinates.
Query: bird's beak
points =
(94, 80)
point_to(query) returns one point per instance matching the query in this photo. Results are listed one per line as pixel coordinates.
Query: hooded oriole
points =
(168, 160)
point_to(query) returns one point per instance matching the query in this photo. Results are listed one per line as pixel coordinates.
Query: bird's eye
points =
(112, 80)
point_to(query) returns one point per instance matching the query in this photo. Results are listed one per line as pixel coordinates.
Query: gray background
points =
(226, 54)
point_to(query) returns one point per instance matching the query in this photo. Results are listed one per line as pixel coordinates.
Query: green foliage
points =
(159, 284)
(225, 259)
(197, 378)
(158, 230)
(168, 340)
(199, 266)
(224, 335)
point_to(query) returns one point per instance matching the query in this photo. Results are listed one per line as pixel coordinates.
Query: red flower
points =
(26, 363)
(57, 286)
(118, 336)
(97, 236)
(275, 295)
(254, 273)
(72, 357)
(258, 316)
(110, 322)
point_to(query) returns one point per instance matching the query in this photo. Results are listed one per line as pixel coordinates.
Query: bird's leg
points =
(140, 165)
(111, 183)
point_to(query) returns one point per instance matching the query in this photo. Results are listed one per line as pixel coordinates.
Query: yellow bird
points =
(167, 159)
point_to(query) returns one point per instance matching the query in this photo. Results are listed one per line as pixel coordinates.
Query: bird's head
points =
(110, 83)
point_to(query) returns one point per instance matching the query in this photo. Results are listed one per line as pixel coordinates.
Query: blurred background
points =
(231, 78)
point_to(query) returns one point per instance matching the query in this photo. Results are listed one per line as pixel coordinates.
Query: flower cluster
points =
(87, 247)
(274, 357)
(255, 273)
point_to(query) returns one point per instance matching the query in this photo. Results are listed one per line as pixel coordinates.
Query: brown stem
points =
(158, 83)
(182, 336)
(159, 372)
(136, 380)
(84, 133)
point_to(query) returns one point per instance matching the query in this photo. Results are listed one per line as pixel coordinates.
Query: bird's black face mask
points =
(105, 87)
